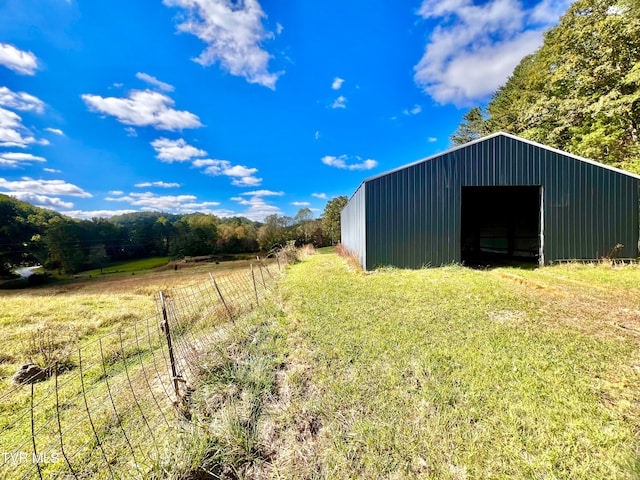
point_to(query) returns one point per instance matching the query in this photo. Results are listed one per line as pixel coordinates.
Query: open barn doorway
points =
(501, 225)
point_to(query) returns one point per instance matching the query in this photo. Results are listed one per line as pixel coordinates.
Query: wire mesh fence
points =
(109, 410)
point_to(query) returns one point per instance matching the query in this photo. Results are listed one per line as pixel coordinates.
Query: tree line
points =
(580, 92)
(30, 235)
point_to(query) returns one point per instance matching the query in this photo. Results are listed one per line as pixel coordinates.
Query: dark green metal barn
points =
(499, 197)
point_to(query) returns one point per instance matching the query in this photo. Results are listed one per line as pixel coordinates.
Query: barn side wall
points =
(353, 225)
(413, 214)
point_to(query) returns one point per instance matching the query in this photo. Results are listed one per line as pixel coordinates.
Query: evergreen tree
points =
(472, 127)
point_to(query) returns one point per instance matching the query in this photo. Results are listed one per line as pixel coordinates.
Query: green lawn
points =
(459, 373)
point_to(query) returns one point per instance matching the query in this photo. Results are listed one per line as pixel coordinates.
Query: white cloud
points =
(169, 203)
(152, 200)
(57, 131)
(258, 208)
(20, 101)
(239, 171)
(432, 139)
(144, 108)
(13, 159)
(116, 192)
(279, 28)
(170, 151)
(52, 170)
(337, 83)
(89, 214)
(28, 185)
(301, 204)
(341, 162)
(474, 48)
(43, 201)
(154, 81)
(321, 196)
(548, 12)
(247, 181)
(413, 111)
(340, 102)
(205, 162)
(12, 132)
(233, 33)
(263, 193)
(242, 175)
(131, 132)
(316, 135)
(157, 184)
(19, 61)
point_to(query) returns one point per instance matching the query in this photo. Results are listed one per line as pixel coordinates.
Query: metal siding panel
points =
(353, 224)
(420, 212)
(411, 217)
(446, 212)
(372, 210)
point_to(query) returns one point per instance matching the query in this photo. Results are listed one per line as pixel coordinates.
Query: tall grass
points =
(224, 434)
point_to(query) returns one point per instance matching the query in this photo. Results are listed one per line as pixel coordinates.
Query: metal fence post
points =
(255, 287)
(167, 333)
(261, 274)
(215, 284)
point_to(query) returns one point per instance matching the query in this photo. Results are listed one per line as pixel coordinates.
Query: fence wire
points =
(110, 410)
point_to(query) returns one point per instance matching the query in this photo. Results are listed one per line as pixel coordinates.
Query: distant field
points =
(128, 267)
(460, 373)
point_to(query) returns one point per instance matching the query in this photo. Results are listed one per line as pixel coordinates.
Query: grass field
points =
(112, 324)
(446, 373)
(458, 373)
(128, 267)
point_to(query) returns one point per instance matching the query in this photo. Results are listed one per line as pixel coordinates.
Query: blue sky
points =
(238, 107)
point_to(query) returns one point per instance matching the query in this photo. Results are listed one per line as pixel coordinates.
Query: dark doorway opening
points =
(501, 225)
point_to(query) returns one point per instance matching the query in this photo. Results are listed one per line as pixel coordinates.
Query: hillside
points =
(20, 226)
(30, 235)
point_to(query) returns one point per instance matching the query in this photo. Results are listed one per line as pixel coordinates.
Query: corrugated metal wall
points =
(412, 215)
(353, 226)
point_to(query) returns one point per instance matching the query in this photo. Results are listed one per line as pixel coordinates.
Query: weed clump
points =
(350, 256)
(289, 254)
(46, 348)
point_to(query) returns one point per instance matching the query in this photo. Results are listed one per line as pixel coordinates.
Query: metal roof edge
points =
(493, 135)
(571, 155)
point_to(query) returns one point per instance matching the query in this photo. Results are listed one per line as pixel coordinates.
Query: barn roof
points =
(507, 135)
